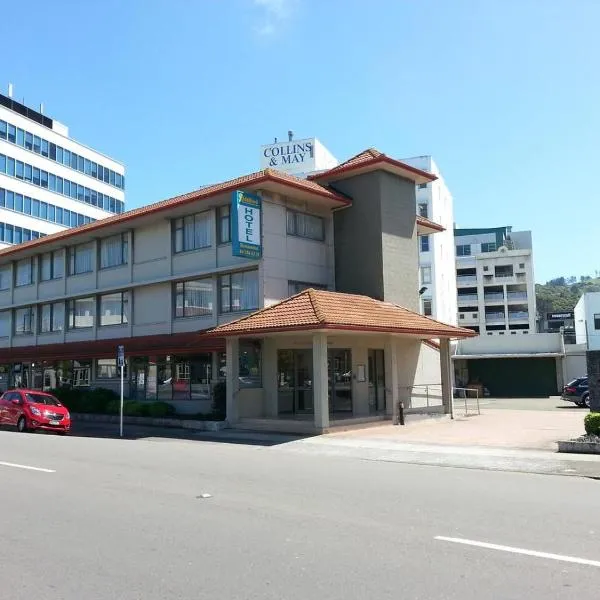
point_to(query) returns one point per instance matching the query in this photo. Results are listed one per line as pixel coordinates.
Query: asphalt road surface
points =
(168, 519)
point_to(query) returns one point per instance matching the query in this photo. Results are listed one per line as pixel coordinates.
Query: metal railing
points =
(466, 279)
(493, 296)
(517, 295)
(421, 396)
(467, 298)
(468, 396)
(518, 315)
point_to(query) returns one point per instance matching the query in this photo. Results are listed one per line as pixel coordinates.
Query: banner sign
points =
(245, 225)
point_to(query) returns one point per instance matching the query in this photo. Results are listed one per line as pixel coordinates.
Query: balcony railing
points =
(494, 317)
(466, 279)
(517, 295)
(470, 298)
(494, 296)
(504, 275)
(518, 316)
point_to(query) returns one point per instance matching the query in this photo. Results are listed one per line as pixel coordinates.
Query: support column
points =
(270, 386)
(232, 347)
(320, 381)
(446, 374)
(392, 393)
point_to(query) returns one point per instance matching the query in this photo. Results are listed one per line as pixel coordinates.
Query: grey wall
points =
(376, 251)
(357, 234)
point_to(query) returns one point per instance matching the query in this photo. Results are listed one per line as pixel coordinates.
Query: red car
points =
(28, 410)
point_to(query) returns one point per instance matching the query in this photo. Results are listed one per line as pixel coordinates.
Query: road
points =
(126, 519)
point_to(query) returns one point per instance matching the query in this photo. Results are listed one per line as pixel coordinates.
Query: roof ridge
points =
(314, 300)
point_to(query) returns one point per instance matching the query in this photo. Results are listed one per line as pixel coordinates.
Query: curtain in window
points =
(46, 318)
(24, 272)
(46, 267)
(244, 290)
(113, 309)
(291, 222)
(82, 312)
(202, 230)
(112, 252)
(313, 227)
(58, 316)
(23, 320)
(188, 233)
(4, 278)
(81, 259)
(198, 298)
(58, 264)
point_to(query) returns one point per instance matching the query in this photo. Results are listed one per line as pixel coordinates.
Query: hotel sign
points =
(291, 157)
(245, 225)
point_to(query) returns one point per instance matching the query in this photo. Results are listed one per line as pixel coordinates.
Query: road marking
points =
(561, 557)
(26, 467)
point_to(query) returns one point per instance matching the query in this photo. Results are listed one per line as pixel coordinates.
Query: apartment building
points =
(437, 271)
(495, 281)
(179, 284)
(48, 181)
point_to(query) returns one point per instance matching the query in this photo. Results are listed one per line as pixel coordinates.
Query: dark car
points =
(28, 410)
(577, 391)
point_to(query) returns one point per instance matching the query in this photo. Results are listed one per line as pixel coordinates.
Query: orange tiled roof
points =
(253, 179)
(318, 309)
(371, 157)
(425, 222)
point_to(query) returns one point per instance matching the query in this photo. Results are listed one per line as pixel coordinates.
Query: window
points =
(597, 321)
(295, 287)
(463, 250)
(114, 251)
(423, 212)
(81, 373)
(521, 265)
(80, 259)
(106, 368)
(24, 320)
(194, 298)
(239, 291)
(5, 276)
(306, 226)
(24, 272)
(192, 232)
(51, 266)
(488, 247)
(113, 309)
(425, 274)
(81, 312)
(422, 186)
(224, 224)
(486, 268)
(250, 364)
(427, 307)
(424, 243)
(5, 323)
(52, 317)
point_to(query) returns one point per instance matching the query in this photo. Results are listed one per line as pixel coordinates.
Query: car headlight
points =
(36, 411)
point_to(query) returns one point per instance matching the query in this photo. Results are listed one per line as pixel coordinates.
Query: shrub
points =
(113, 407)
(133, 408)
(159, 409)
(592, 423)
(220, 400)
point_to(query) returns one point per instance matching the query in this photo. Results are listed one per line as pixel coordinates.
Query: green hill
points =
(563, 293)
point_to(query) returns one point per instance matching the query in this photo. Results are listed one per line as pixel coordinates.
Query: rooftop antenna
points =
(10, 90)
(275, 141)
(290, 135)
(41, 108)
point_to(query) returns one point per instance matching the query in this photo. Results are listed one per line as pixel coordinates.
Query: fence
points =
(427, 398)
(467, 399)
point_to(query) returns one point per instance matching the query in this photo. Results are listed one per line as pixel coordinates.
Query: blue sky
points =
(503, 93)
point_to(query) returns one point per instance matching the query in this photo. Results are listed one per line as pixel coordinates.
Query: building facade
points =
(495, 281)
(437, 272)
(158, 279)
(48, 181)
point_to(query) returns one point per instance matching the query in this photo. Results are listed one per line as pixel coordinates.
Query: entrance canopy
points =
(323, 310)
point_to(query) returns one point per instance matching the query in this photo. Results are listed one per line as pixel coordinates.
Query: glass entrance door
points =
(339, 363)
(376, 381)
(294, 382)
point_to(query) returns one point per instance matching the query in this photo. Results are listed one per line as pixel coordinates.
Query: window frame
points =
(177, 292)
(423, 209)
(427, 307)
(303, 235)
(596, 321)
(424, 269)
(175, 228)
(72, 259)
(230, 287)
(424, 245)
(31, 329)
(53, 328)
(54, 256)
(124, 251)
(31, 272)
(461, 250)
(124, 309)
(70, 316)
(221, 218)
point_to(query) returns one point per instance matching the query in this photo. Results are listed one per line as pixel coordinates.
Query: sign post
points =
(121, 365)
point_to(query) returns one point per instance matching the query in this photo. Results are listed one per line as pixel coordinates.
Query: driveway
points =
(527, 423)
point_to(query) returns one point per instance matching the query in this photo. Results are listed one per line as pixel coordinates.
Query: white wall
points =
(521, 344)
(585, 331)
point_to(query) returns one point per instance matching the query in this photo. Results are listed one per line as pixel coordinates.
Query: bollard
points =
(401, 412)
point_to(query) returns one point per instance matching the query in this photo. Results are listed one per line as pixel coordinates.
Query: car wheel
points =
(22, 425)
(586, 400)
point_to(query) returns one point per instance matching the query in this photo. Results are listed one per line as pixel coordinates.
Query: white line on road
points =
(561, 557)
(27, 467)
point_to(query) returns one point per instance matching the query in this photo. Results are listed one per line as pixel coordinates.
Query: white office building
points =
(436, 252)
(587, 320)
(48, 181)
(496, 286)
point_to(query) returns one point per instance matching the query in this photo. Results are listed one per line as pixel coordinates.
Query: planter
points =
(154, 422)
(579, 447)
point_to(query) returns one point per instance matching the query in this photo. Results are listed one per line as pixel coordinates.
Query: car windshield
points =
(42, 399)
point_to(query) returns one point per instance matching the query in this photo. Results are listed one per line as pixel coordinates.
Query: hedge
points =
(592, 423)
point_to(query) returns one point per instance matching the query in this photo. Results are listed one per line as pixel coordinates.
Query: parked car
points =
(28, 410)
(577, 391)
